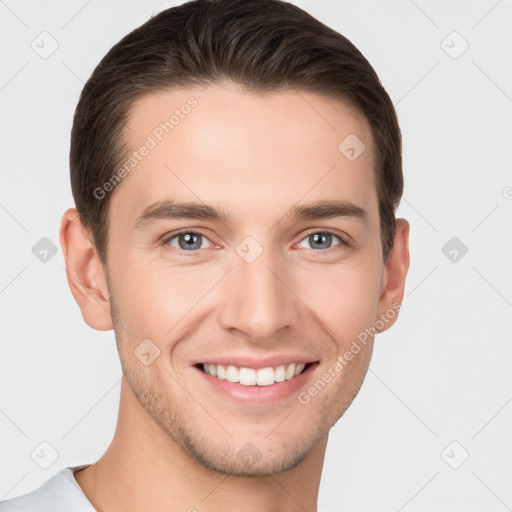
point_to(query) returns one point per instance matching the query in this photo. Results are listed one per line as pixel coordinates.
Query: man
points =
(236, 167)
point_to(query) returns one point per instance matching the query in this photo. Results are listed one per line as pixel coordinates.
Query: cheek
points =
(344, 298)
(156, 298)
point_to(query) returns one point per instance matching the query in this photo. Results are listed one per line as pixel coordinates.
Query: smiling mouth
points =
(252, 377)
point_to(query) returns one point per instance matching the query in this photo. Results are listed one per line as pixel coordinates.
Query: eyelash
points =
(343, 242)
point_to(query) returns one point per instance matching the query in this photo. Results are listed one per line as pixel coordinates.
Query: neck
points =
(145, 469)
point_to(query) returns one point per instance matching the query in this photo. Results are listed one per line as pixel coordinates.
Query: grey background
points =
(441, 374)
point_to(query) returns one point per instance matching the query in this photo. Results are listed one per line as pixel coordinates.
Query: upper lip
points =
(256, 363)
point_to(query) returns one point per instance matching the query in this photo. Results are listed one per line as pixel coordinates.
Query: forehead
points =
(256, 152)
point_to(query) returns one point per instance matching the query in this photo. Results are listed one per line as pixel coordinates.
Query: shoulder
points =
(60, 493)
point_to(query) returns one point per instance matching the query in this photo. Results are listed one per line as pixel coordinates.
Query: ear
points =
(85, 273)
(393, 278)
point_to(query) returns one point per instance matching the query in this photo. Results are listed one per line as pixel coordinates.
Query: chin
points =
(248, 461)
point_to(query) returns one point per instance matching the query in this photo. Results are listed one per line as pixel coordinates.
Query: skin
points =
(255, 155)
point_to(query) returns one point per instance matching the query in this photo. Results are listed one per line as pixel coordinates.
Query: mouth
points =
(256, 382)
(252, 376)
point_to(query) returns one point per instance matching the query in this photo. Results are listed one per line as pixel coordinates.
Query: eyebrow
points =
(324, 209)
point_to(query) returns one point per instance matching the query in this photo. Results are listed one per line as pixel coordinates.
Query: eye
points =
(187, 241)
(321, 240)
(191, 241)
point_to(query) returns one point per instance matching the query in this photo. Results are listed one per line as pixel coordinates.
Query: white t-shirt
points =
(61, 493)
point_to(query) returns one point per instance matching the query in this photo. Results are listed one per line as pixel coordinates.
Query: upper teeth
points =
(251, 377)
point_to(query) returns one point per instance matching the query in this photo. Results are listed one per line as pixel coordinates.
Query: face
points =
(244, 259)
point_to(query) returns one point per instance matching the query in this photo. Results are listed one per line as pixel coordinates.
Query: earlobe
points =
(395, 273)
(85, 273)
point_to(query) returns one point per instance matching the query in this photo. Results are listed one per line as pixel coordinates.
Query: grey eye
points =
(187, 241)
(320, 240)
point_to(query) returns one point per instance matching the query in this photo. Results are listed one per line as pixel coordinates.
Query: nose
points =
(258, 299)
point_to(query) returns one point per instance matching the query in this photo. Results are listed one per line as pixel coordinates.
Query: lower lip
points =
(264, 394)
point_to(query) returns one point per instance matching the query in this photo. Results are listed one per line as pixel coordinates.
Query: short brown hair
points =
(264, 45)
